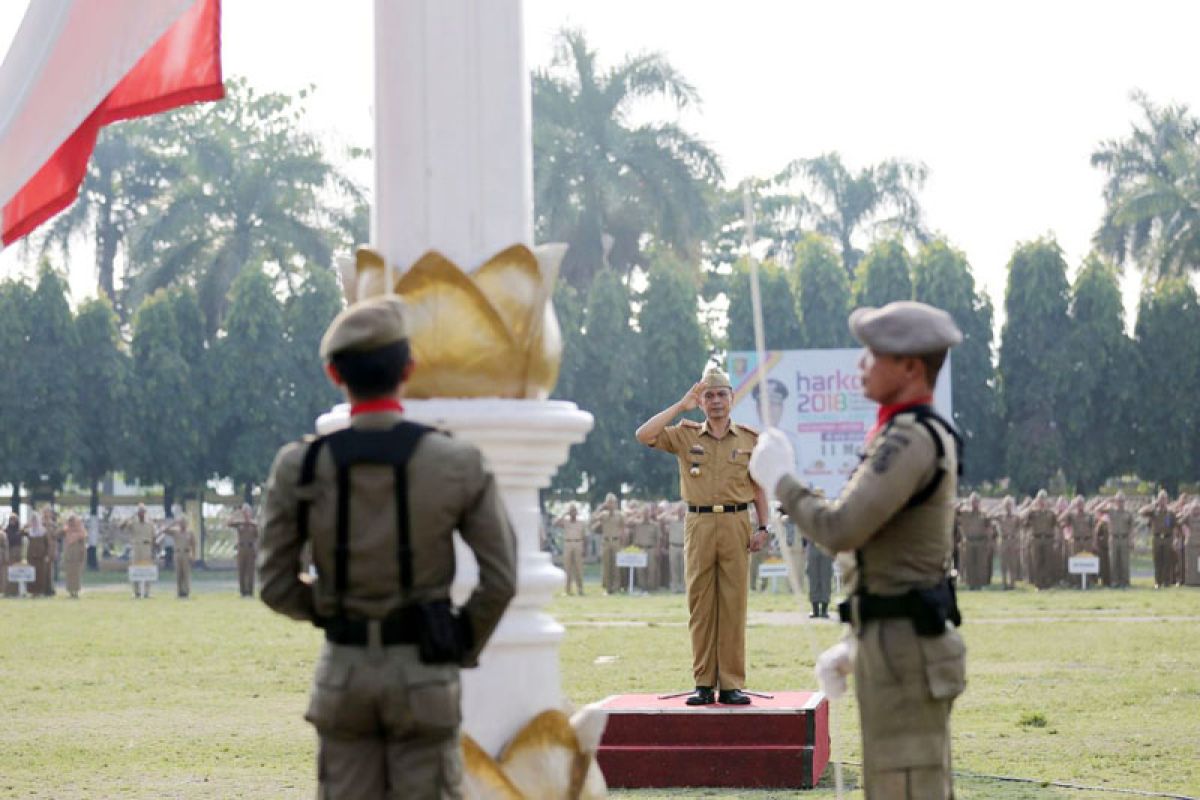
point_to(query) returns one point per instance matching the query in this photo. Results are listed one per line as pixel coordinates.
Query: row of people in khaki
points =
(1035, 539)
(42, 542)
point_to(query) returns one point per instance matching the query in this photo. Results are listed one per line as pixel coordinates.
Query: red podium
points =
(781, 743)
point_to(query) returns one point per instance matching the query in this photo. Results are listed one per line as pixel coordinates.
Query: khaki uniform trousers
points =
(1043, 562)
(676, 568)
(1010, 561)
(1120, 561)
(611, 576)
(573, 564)
(1164, 560)
(37, 553)
(905, 686)
(245, 568)
(387, 724)
(183, 574)
(74, 556)
(3, 566)
(976, 561)
(1191, 556)
(715, 561)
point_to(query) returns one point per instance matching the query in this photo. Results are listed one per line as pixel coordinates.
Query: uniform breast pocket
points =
(740, 455)
(696, 460)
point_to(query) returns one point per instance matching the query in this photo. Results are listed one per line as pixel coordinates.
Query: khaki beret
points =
(364, 326)
(904, 328)
(715, 376)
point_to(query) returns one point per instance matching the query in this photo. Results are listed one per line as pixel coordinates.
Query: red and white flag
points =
(77, 65)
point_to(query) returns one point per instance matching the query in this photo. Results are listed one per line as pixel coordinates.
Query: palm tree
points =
(596, 174)
(125, 175)
(879, 198)
(255, 190)
(1152, 196)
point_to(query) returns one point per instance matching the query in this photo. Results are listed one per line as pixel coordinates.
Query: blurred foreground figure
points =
(896, 516)
(380, 501)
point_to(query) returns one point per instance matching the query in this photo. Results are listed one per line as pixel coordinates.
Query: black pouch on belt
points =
(439, 640)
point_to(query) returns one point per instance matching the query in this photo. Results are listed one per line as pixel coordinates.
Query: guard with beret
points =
(714, 479)
(379, 502)
(893, 528)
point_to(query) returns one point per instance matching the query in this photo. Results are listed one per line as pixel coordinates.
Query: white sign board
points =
(1083, 565)
(631, 558)
(773, 569)
(816, 399)
(143, 573)
(21, 572)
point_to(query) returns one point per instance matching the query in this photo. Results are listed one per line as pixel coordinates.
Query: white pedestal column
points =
(524, 442)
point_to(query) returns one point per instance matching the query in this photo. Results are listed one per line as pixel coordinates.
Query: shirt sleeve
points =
(280, 547)
(891, 474)
(485, 528)
(669, 440)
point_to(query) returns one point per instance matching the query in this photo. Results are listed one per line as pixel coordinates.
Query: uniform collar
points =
(375, 420)
(887, 412)
(733, 429)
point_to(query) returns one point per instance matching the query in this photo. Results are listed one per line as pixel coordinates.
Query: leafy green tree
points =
(256, 189)
(569, 307)
(596, 174)
(845, 205)
(1098, 418)
(605, 387)
(170, 426)
(250, 376)
(781, 326)
(942, 278)
(1032, 362)
(885, 275)
(1169, 381)
(52, 355)
(307, 313)
(1152, 195)
(823, 294)
(21, 420)
(669, 325)
(779, 217)
(103, 395)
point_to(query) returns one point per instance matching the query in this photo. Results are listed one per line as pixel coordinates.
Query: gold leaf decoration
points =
(488, 334)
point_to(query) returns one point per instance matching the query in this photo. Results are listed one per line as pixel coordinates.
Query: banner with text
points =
(815, 397)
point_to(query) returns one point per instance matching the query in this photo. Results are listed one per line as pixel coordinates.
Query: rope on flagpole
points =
(760, 380)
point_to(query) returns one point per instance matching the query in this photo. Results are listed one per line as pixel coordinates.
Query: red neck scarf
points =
(887, 412)
(375, 406)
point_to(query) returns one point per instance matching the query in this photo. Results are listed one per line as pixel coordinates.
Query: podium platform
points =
(781, 743)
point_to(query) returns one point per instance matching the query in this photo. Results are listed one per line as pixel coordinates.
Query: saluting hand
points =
(691, 398)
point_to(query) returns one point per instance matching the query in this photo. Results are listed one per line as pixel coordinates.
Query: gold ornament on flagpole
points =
(490, 333)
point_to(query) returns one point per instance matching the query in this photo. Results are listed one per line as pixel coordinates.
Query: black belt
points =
(726, 509)
(397, 628)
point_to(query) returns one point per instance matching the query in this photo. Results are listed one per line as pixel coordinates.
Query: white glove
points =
(833, 667)
(772, 458)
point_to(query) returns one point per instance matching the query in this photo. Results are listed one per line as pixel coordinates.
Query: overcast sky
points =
(1003, 101)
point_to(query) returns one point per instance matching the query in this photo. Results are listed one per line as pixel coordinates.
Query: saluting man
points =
(247, 543)
(385, 698)
(611, 524)
(574, 530)
(893, 526)
(714, 479)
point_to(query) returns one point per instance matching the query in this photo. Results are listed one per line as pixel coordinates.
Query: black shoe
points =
(816, 612)
(733, 697)
(703, 696)
(825, 610)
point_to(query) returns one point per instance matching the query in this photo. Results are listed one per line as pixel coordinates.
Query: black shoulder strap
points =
(350, 447)
(930, 420)
(308, 470)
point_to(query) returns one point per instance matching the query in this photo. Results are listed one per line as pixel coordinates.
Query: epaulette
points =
(691, 423)
(748, 429)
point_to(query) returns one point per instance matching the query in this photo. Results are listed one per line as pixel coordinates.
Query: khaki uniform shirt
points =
(141, 540)
(610, 523)
(1007, 528)
(573, 531)
(902, 548)
(449, 488)
(975, 526)
(1042, 523)
(646, 534)
(247, 533)
(675, 529)
(1119, 524)
(185, 544)
(711, 471)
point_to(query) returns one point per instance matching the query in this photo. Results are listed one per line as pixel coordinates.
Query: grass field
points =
(109, 697)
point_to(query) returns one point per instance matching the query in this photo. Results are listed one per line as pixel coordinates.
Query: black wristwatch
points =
(762, 527)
